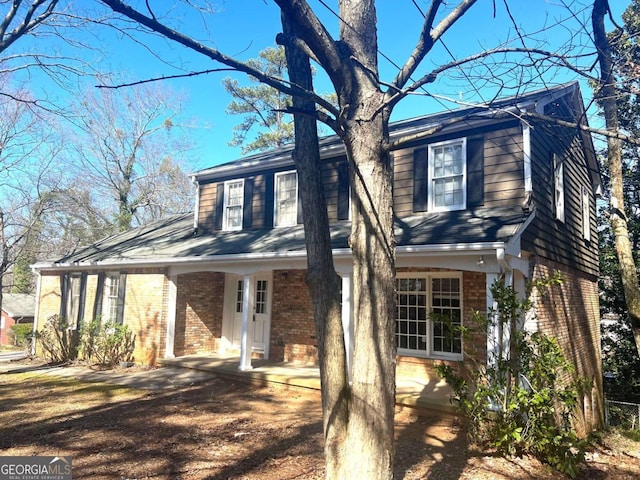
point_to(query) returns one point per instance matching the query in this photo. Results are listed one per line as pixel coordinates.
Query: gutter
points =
(340, 253)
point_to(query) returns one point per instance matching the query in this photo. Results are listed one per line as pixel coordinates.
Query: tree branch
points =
(279, 84)
(428, 37)
(166, 77)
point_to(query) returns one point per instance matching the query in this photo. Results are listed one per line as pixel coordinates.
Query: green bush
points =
(106, 344)
(523, 401)
(57, 340)
(21, 334)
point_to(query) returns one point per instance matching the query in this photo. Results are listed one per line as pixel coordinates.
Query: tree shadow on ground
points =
(215, 429)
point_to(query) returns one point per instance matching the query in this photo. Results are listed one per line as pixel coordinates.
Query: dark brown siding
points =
(262, 197)
(503, 167)
(548, 237)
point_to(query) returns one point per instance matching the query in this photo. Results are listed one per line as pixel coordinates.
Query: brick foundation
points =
(570, 312)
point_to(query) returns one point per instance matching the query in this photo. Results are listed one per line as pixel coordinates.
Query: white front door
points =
(259, 318)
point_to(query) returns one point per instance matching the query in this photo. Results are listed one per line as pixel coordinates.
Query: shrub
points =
(57, 340)
(107, 344)
(21, 334)
(523, 402)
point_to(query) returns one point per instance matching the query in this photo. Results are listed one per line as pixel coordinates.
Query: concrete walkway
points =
(12, 355)
(193, 369)
(409, 391)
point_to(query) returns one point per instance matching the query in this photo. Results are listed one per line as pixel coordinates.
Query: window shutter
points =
(247, 203)
(219, 205)
(475, 172)
(343, 190)
(299, 216)
(268, 200)
(64, 294)
(122, 288)
(420, 179)
(83, 296)
(97, 304)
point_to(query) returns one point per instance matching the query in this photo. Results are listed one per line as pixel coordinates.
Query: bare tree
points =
(358, 415)
(27, 152)
(131, 154)
(60, 44)
(607, 94)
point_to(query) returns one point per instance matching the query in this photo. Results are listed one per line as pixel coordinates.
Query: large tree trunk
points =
(358, 419)
(323, 282)
(369, 444)
(607, 98)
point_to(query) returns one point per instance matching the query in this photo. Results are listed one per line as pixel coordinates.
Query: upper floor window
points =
(286, 199)
(586, 216)
(429, 315)
(233, 204)
(447, 175)
(558, 182)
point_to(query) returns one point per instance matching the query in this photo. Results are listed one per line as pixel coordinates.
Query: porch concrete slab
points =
(410, 392)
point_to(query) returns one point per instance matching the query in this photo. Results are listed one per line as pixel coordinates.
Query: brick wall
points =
(145, 314)
(49, 300)
(473, 299)
(293, 332)
(293, 335)
(200, 301)
(145, 308)
(5, 328)
(570, 312)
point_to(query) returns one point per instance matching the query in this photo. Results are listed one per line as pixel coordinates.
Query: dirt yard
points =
(221, 429)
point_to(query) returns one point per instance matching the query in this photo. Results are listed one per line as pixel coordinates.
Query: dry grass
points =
(221, 429)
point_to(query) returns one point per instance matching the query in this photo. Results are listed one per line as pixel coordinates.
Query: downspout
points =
(196, 207)
(505, 336)
(526, 151)
(36, 313)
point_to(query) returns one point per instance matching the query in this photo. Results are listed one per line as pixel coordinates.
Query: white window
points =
(429, 315)
(558, 181)
(110, 309)
(586, 216)
(448, 175)
(233, 205)
(286, 199)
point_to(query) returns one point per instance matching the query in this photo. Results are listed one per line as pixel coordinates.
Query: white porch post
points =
(347, 320)
(247, 323)
(494, 333)
(172, 305)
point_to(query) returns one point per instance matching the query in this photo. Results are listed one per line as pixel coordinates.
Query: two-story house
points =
(480, 194)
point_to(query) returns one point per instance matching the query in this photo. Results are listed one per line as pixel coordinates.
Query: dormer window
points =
(233, 204)
(286, 199)
(448, 175)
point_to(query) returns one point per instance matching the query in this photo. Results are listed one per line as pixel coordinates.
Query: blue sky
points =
(241, 28)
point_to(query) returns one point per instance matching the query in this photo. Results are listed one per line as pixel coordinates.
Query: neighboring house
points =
(16, 308)
(480, 195)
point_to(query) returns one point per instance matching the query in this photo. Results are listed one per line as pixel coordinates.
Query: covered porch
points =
(410, 392)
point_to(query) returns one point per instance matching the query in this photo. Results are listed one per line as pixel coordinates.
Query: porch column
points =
(247, 323)
(347, 320)
(494, 332)
(172, 306)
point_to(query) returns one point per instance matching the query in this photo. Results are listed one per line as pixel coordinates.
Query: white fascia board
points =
(184, 261)
(464, 248)
(513, 245)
